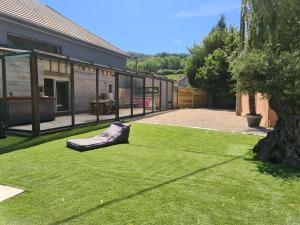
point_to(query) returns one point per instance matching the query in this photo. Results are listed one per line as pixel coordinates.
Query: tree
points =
(163, 62)
(270, 64)
(207, 65)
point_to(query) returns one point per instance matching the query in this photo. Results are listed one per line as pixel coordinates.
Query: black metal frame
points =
(35, 95)
(4, 89)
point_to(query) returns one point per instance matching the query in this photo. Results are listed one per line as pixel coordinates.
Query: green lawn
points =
(174, 77)
(165, 176)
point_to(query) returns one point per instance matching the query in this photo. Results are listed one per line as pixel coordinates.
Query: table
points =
(103, 107)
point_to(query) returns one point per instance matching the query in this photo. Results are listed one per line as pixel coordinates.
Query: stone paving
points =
(221, 120)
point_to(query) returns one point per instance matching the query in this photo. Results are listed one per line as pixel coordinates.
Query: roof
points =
(33, 12)
(183, 81)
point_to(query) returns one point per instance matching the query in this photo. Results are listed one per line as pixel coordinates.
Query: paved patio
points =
(221, 120)
(66, 120)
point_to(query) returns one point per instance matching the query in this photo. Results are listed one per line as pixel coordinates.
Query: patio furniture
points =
(111, 106)
(117, 133)
(105, 106)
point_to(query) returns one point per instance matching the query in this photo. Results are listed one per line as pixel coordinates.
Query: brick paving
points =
(220, 120)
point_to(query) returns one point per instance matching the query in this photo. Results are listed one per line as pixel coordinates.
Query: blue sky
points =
(149, 26)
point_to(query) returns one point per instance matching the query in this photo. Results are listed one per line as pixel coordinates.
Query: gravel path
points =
(221, 120)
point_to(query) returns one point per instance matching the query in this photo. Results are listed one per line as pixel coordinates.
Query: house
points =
(28, 25)
(183, 82)
(55, 74)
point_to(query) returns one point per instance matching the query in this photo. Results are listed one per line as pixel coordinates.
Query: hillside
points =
(161, 64)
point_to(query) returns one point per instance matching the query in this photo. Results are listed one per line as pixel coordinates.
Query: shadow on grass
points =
(280, 171)
(146, 190)
(276, 170)
(15, 143)
(213, 154)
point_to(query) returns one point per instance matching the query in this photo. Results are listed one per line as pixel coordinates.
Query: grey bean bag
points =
(117, 133)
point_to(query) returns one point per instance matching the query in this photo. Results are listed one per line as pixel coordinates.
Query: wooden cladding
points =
(191, 98)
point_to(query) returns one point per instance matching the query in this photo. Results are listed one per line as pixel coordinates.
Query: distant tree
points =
(221, 25)
(166, 62)
(207, 66)
(270, 64)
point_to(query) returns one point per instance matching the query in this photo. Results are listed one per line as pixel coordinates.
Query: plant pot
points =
(253, 120)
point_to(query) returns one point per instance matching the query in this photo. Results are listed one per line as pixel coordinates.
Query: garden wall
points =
(262, 107)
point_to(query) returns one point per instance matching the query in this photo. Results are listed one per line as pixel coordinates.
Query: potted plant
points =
(253, 118)
(2, 131)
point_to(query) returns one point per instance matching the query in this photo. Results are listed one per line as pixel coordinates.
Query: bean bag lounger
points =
(117, 133)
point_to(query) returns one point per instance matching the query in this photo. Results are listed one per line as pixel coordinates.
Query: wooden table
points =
(103, 107)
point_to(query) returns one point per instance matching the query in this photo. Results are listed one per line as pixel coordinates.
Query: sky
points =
(149, 26)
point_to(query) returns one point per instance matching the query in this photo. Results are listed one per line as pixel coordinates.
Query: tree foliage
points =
(270, 64)
(208, 66)
(163, 63)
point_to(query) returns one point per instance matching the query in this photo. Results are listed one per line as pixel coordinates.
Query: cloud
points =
(211, 8)
(177, 41)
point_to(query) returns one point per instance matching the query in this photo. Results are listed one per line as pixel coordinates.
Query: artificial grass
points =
(166, 175)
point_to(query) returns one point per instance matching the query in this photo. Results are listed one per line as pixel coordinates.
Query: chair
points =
(111, 106)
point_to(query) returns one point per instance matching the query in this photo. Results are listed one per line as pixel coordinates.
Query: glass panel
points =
(19, 100)
(163, 95)
(55, 92)
(84, 95)
(138, 90)
(1, 95)
(148, 95)
(156, 89)
(1, 84)
(175, 98)
(107, 103)
(124, 96)
(170, 95)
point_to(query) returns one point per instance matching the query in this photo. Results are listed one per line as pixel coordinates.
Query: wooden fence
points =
(191, 98)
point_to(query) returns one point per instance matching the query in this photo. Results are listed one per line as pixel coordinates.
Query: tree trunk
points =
(282, 145)
(252, 106)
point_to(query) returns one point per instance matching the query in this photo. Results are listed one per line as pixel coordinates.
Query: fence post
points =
(177, 97)
(117, 96)
(35, 94)
(72, 93)
(4, 89)
(160, 94)
(172, 95)
(153, 95)
(167, 95)
(144, 95)
(97, 93)
(131, 95)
